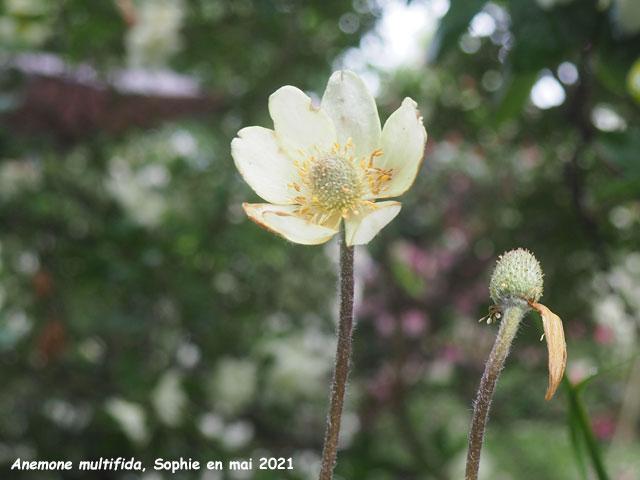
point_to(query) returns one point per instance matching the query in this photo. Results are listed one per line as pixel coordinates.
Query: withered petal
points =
(556, 345)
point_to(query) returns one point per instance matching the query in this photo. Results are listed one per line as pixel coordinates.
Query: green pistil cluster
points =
(334, 183)
(516, 279)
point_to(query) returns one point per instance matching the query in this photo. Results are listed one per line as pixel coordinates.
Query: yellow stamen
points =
(333, 183)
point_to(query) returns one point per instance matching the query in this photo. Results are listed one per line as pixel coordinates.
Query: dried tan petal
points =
(556, 344)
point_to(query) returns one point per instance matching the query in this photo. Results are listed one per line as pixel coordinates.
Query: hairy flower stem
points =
(343, 354)
(508, 328)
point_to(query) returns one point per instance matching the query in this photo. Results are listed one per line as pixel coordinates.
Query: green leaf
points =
(413, 284)
(621, 149)
(452, 26)
(578, 412)
(514, 97)
(576, 440)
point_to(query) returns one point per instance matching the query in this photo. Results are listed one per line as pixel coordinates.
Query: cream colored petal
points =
(263, 164)
(556, 345)
(298, 124)
(353, 111)
(280, 219)
(361, 228)
(403, 141)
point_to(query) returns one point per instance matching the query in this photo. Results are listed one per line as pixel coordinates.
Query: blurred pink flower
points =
(603, 335)
(385, 324)
(603, 426)
(414, 323)
(381, 386)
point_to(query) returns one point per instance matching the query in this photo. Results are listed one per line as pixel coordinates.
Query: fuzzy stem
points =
(499, 352)
(343, 354)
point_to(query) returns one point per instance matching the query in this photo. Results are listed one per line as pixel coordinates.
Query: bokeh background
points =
(142, 314)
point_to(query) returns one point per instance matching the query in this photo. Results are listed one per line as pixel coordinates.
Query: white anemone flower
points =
(322, 165)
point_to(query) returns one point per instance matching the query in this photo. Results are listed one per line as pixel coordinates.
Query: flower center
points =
(334, 182)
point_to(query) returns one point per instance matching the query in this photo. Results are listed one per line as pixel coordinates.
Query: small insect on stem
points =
(494, 314)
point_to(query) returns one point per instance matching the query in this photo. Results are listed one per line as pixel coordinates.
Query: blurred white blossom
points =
(211, 425)
(548, 4)
(22, 8)
(234, 384)
(580, 368)
(618, 310)
(131, 418)
(169, 399)
(92, 349)
(211, 475)
(17, 176)
(349, 427)
(301, 364)
(184, 143)
(156, 33)
(626, 14)
(610, 313)
(188, 354)
(237, 434)
(65, 414)
(15, 325)
(26, 23)
(144, 204)
(308, 464)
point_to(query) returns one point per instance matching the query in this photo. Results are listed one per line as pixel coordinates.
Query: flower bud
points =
(516, 279)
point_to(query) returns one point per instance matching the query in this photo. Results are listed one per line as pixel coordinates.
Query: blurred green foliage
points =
(141, 313)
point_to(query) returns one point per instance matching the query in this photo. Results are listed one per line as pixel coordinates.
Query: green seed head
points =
(516, 279)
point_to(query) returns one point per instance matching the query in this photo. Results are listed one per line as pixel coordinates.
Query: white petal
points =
(263, 164)
(353, 111)
(403, 140)
(280, 219)
(298, 124)
(360, 229)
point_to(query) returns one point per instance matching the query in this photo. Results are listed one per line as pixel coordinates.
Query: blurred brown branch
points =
(70, 109)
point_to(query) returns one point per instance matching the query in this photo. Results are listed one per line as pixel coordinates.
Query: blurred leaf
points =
(611, 73)
(452, 26)
(578, 416)
(542, 39)
(621, 149)
(412, 283)
(576, 442)
(514, 97)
